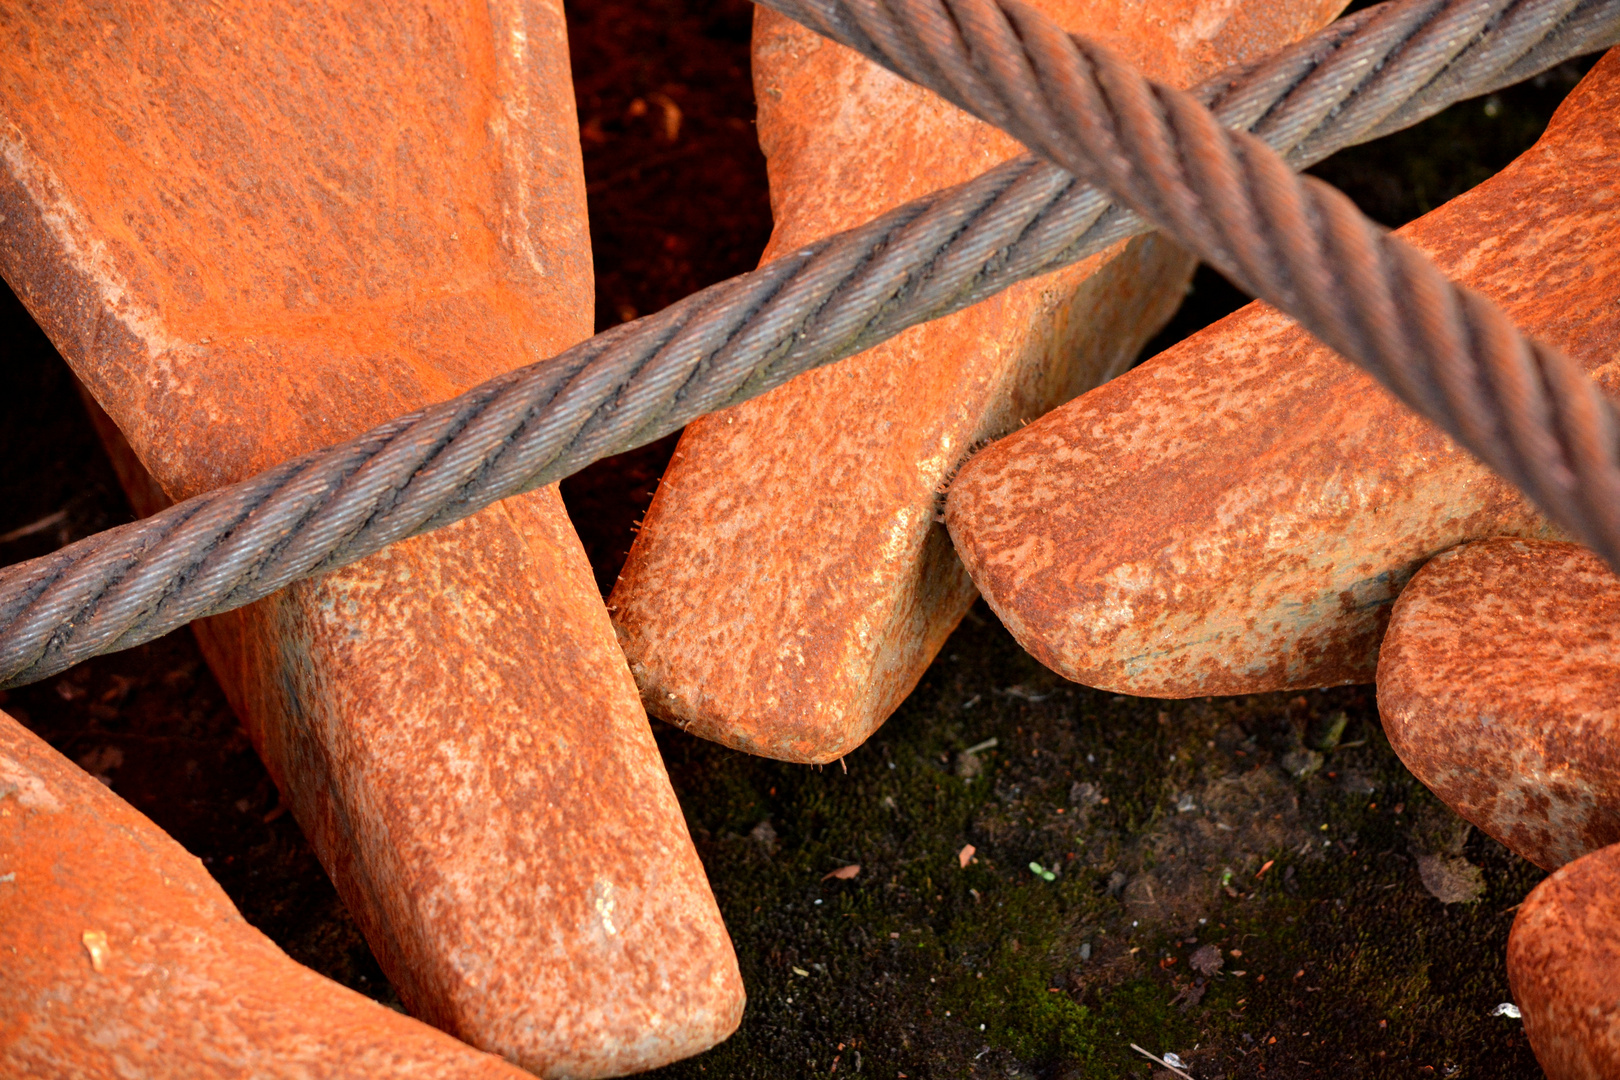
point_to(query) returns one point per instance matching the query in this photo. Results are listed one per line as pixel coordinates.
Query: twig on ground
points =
(1160, 1060)
(35, 526)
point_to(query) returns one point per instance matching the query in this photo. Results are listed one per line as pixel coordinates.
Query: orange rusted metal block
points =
(260, 229)
(1237, 514)
(791, 583)
(123, 957)
(1499, 686)
(1563, 955)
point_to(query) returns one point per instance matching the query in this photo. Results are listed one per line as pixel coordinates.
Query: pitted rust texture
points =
(259, 231)
(1562, 959)
(349, 212)
(1238, 513)
(1499, 687)
(790, 583)
(123, 957)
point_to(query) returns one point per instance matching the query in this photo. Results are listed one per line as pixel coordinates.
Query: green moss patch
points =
(1280, 829)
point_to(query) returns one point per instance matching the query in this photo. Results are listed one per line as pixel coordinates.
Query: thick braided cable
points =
(1449, 353)
(1367, 74)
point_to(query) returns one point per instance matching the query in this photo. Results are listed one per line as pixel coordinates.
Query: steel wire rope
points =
(1448, 352)
(1365, 75)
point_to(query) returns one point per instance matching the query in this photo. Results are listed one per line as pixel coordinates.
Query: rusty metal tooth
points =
(1499, 687)
(1562, 958)
(1238, 513)
(258, 231)
(123, 957)
(790, 582)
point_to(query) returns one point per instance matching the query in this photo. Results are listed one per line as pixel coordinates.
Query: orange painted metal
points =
(123, 957)
(254, 230)
(1562, 958)
(791, 582)
(1238, 513)
(1499, 686)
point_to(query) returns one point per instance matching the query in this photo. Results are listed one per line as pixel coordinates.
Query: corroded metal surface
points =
(1238, 513)
(123, 957)
(257, 231)
(790, 583)
(1499, 686)
(1563, 956)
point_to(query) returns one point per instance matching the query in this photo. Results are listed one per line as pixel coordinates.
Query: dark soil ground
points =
(1115, 838)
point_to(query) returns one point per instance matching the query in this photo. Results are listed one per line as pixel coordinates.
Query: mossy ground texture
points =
(1280, 830)
(1167, 826)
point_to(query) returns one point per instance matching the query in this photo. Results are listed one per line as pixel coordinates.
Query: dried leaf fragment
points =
(1451, 879)
(1206, 960)
(843, 873)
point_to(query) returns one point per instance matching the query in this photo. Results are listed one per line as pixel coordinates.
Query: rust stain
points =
(1238, 513)
(256, 231)
(1561, 959)
(790, 583)
(172, 981)
(1499, 686)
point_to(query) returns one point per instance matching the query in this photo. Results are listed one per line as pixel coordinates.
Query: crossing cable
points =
(1298, 244)
(1447, 352)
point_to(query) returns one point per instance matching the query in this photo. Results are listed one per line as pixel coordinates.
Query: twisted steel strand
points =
(1368, 74)
(1449, 353)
